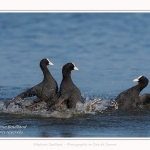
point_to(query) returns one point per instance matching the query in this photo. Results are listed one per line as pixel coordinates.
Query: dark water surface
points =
(110, 50)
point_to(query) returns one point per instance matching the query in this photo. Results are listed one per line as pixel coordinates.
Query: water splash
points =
(90, 106)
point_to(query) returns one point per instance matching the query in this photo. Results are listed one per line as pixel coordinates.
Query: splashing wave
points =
(91, 106)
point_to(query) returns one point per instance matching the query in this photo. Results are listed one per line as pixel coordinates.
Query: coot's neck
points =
(46, 73)
(66, 75)
(141, 86)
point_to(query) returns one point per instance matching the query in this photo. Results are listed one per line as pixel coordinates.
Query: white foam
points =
(89, 107)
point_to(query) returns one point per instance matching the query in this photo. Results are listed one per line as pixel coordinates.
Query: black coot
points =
(68, 91)
(45, 91)
(145, 99)
(130, 98)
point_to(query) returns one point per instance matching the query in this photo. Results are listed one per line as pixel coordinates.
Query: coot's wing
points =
(57, 103)
(34, 91)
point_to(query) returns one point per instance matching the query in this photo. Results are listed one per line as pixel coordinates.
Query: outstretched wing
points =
(29, 93)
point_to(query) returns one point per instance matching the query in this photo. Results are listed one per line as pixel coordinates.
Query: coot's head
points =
(45, 62)
(141, 79)
(70, 66)
(67, 68)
